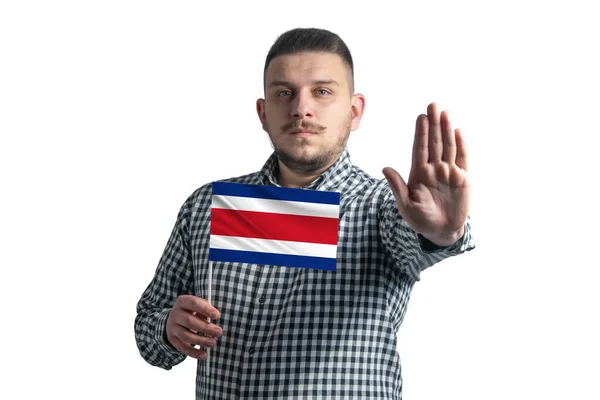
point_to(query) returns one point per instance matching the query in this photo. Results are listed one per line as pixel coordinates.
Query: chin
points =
(302, 154)
(302, 161)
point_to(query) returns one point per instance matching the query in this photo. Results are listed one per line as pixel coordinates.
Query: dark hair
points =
(300, 40)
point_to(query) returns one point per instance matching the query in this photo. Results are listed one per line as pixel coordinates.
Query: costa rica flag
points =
(274, 225)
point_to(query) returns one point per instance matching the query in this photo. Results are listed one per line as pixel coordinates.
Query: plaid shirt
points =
(293, 332)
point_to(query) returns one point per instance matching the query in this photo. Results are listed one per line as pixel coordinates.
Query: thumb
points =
(398, 187)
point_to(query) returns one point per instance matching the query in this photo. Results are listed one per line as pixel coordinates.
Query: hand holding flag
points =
(187, 325)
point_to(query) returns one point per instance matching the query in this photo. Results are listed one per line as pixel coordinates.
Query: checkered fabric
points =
(292, 333)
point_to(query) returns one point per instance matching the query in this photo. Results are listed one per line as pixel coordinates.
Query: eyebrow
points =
(317, 82)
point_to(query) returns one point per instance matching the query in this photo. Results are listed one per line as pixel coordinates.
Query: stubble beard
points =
(318, 162)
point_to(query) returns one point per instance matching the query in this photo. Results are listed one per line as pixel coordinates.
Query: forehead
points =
(306, 67)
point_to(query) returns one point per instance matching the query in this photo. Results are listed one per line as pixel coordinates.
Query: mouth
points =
(302, 133)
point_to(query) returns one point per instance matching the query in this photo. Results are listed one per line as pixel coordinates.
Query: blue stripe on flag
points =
(275, 193)
(284, 260)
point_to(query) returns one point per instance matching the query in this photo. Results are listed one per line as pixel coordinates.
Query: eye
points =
(282, 93)
(323, 92)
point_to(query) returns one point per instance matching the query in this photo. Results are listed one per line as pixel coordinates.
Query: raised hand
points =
(435, 202)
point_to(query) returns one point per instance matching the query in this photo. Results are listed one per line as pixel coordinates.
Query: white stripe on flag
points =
(276, 206)
(273, 246)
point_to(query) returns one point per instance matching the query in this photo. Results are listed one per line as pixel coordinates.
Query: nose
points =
(302, 106)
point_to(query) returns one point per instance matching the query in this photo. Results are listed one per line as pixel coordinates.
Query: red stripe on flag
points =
(261, 225)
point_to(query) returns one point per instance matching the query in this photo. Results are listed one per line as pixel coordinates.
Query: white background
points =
(113, 112)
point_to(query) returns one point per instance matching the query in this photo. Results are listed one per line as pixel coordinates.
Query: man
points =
(282, 332)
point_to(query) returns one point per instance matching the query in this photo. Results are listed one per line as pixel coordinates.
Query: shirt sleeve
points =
(410, 251)
(173, 277)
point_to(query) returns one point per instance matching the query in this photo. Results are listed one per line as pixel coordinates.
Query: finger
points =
(449, 142)
(198, 324)
(189, 350)
(199, 305)
(436, 146)
(399, 188)
(461, 150)
(420, 146)
(191, 338)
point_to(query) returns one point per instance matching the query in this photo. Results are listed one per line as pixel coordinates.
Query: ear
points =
(358, 108)
(260, 110)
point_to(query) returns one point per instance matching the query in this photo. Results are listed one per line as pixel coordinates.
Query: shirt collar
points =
(327, 181)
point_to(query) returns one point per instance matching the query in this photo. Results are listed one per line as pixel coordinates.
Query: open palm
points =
(435, 202)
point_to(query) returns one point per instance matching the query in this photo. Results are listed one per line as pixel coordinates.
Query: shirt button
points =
(251, 350)
(262, 299)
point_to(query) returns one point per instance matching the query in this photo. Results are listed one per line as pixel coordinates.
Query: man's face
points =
(309, 109)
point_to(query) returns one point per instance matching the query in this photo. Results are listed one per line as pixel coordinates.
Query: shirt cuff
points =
(427, 246)
(160, 335)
